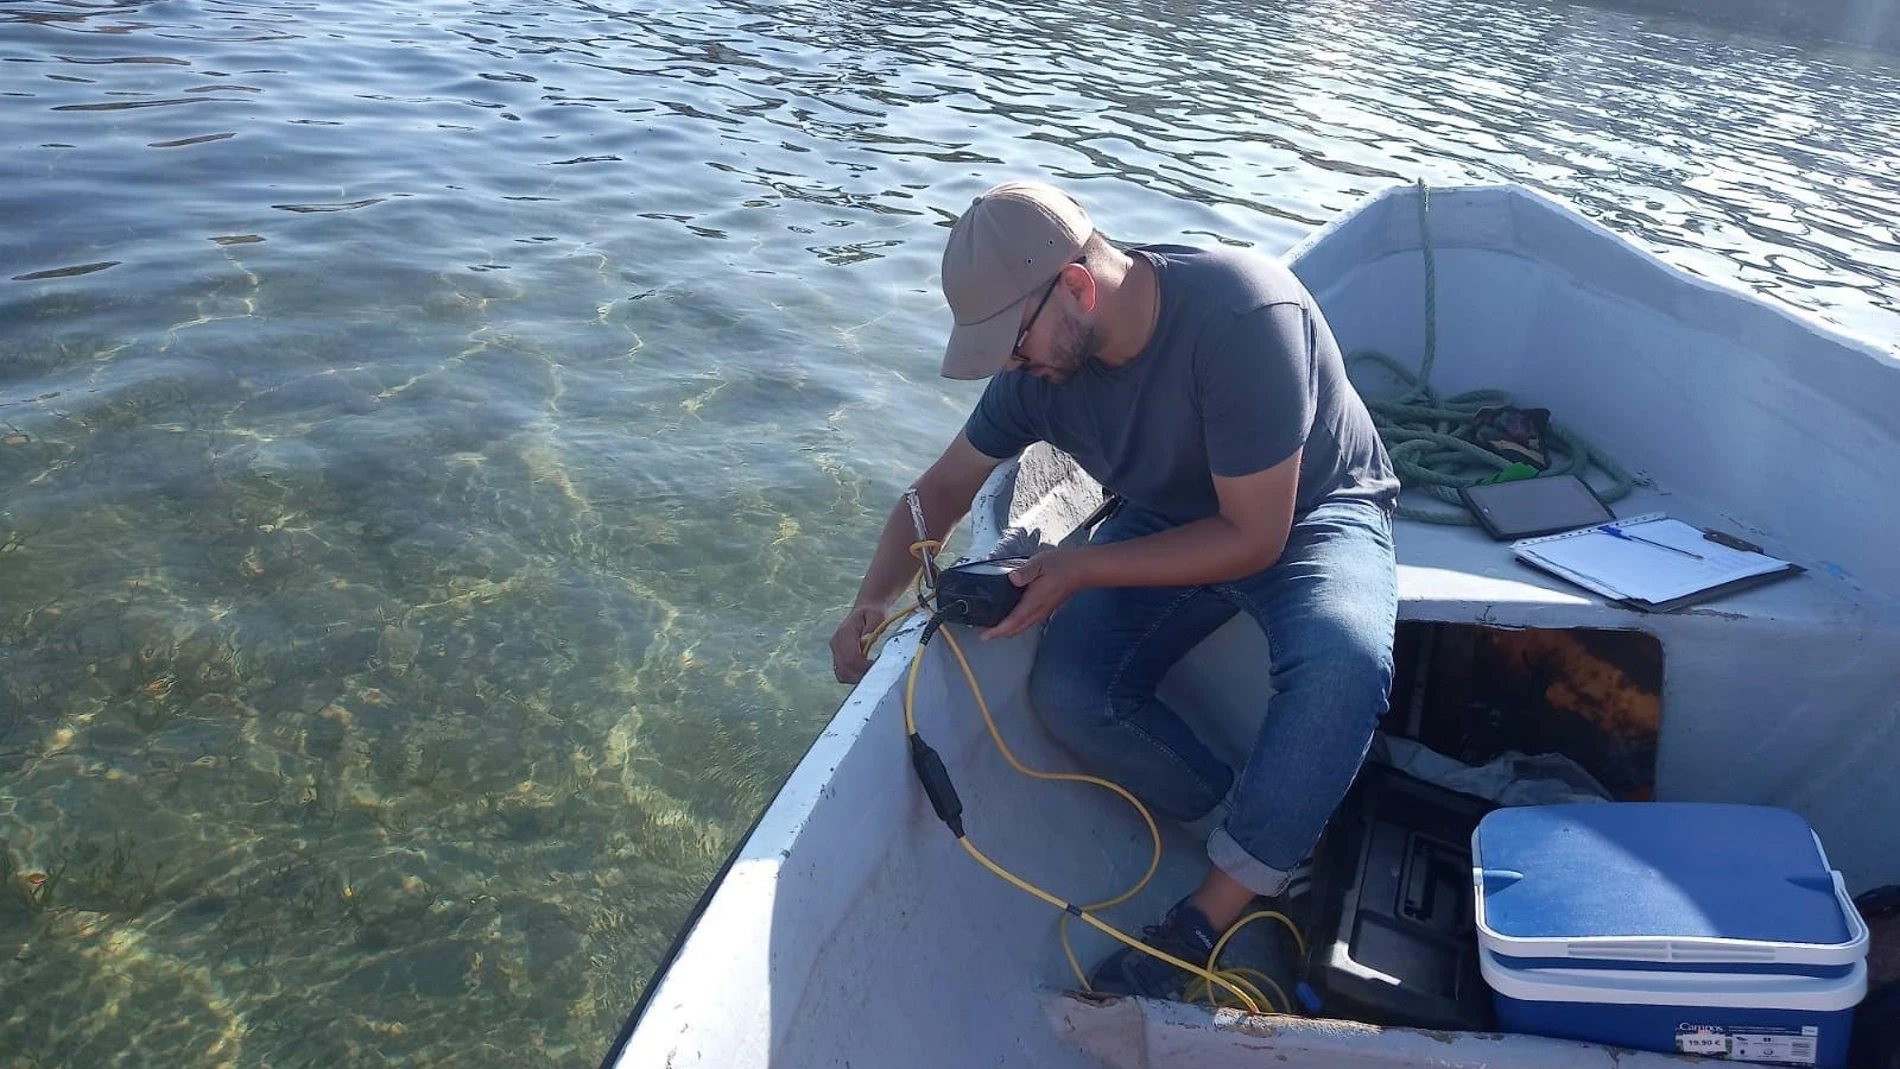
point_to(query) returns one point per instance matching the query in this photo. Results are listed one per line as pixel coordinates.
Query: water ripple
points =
(121, 105)
(200, 139)
(66, 272)
(335, 206)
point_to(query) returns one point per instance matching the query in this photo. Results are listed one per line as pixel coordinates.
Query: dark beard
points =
(1075, 346)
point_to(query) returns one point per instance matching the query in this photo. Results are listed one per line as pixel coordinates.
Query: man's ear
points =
(1080, 282)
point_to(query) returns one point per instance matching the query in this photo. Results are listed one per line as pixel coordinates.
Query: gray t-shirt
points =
(1240, 370)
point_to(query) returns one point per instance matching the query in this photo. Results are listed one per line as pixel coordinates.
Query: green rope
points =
(1428, 437)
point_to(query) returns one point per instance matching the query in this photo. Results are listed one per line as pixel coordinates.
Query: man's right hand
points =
(849, 661)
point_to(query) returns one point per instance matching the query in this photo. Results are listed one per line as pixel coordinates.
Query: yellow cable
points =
(1299, 941)
(917, 549)
(1108, 929)
(1154, 832)
(878, 631)
(1207, 975)
(1233, 980)
(1198, 989)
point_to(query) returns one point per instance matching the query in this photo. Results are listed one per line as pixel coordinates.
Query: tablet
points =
(1526, 508)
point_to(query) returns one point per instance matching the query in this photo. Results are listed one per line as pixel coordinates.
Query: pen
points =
(1617, 532)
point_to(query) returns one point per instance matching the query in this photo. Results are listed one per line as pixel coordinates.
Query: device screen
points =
(1537, 506)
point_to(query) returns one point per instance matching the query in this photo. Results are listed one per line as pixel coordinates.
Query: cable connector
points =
(937, 786)
(930, 630)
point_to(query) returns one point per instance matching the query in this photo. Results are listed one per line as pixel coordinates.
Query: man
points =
(1205, 388)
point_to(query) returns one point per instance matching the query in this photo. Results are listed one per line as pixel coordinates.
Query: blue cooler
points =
(1669, 926)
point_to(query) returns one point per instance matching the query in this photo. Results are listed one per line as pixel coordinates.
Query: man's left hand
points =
(1047, 580)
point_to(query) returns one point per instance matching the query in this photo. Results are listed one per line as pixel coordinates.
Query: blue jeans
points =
(1328, 607)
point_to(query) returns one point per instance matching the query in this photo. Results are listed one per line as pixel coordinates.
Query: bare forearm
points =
(1211, 550)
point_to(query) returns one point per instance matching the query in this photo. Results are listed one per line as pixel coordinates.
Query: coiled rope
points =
(1431, 439)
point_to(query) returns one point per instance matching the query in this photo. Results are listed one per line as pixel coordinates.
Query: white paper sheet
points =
(1617, 568)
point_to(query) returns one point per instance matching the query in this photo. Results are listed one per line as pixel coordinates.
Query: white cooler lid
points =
(1634, 987)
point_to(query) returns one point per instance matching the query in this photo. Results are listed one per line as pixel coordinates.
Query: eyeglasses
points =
(1016, 351)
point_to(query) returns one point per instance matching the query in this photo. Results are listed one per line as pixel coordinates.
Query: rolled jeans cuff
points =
(1248, 871)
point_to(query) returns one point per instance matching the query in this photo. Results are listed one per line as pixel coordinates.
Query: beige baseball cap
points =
(1014, 239)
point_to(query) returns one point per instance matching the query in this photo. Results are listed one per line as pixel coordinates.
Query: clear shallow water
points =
(435, 440)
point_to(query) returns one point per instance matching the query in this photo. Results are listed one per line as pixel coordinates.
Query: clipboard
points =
(1662, 565)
